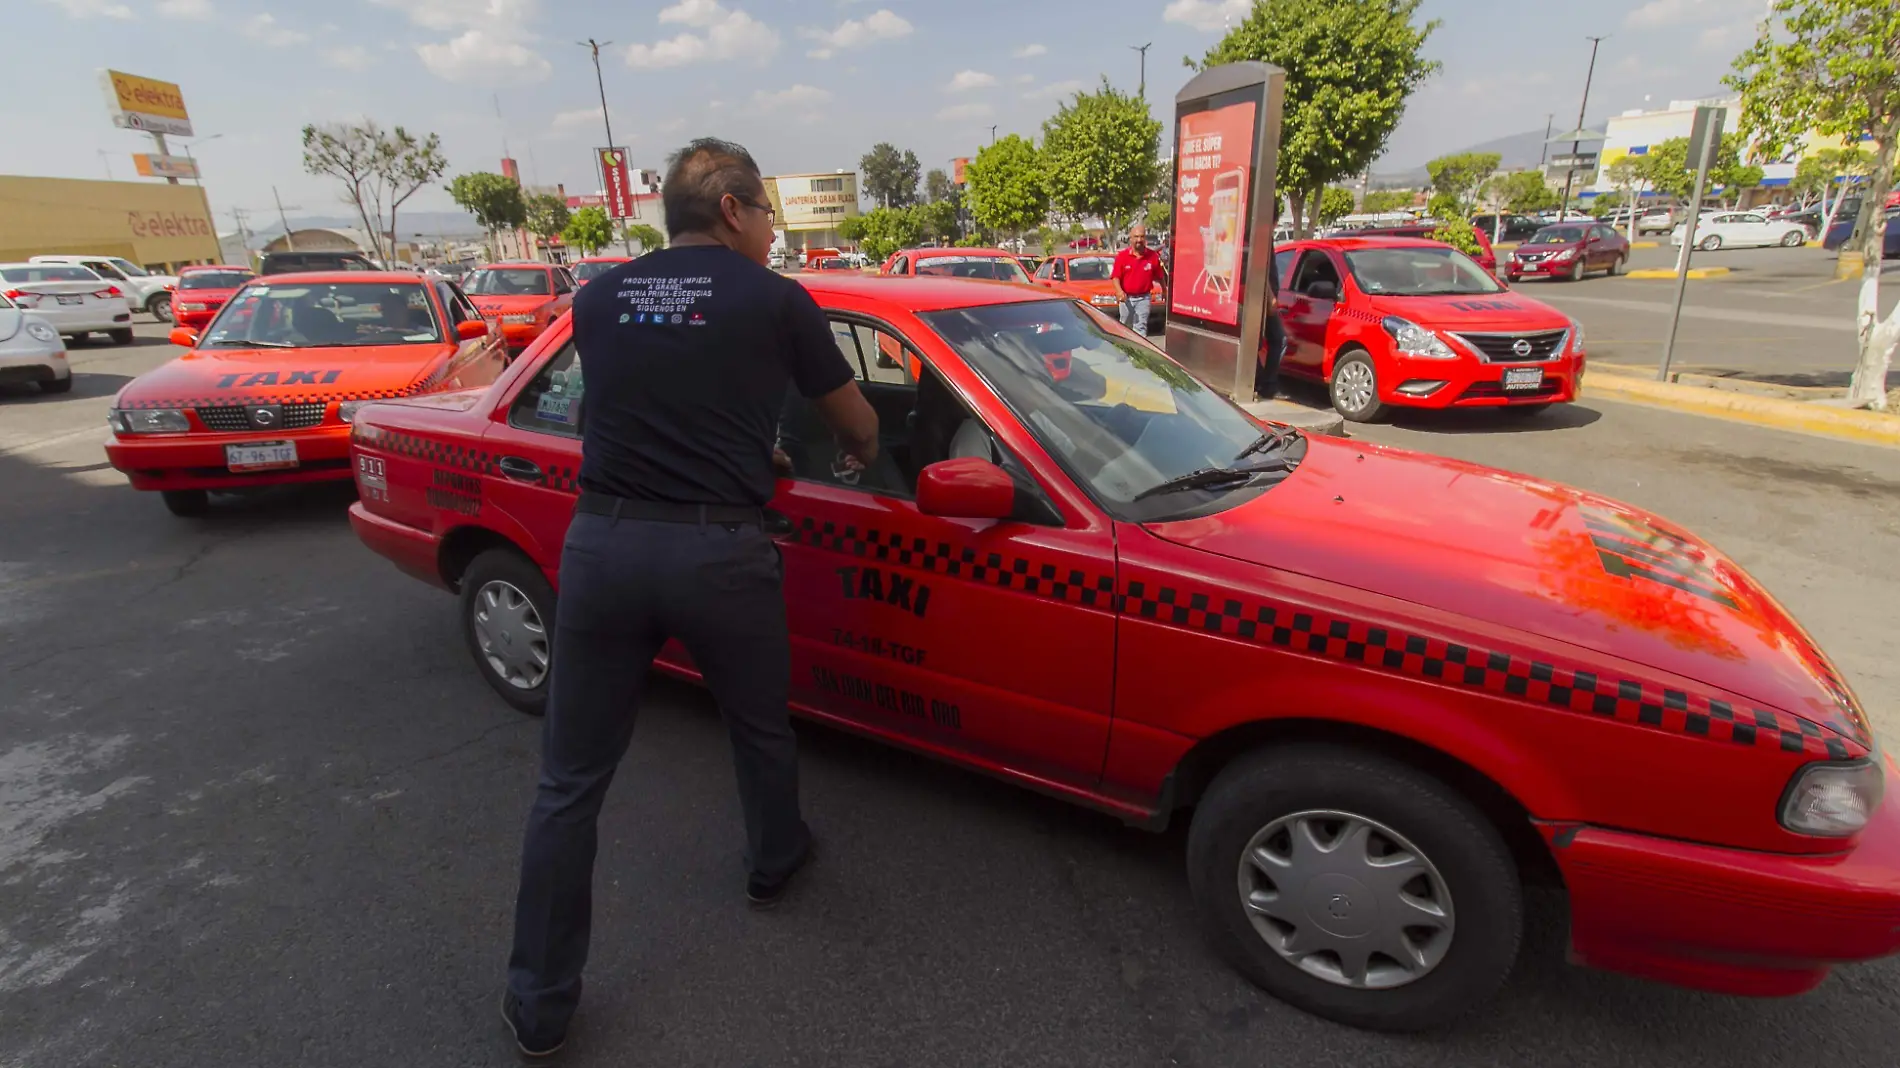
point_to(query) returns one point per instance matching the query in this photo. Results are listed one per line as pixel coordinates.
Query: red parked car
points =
(586, 270)
(1569, 251)
(525, 297)
(1388, 685)
(203, 290)
(1487, 257)
(1389, 322)
(992, 264)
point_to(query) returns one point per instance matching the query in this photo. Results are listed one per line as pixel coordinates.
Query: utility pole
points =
(244, 235)
(594, 47)
(1543, 151)
(992, 135)
(290, 245)
(1143, 49)
(1571, 174)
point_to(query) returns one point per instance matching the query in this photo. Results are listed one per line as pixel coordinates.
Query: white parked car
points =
(145, 291)
(1741, 229)
(31, 350)
(73, 300)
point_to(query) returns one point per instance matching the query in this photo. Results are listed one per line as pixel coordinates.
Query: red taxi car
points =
(266, 395)
(525, 297)
(1085, 276)
(203, 290)
(586, 270)
(1390, 686)
(991, 263)
(1390, 322)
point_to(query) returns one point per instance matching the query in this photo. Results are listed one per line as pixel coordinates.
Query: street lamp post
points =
(594, 47)
(1571, 174)
(195, 177)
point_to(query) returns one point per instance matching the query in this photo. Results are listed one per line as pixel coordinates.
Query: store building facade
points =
(810, 207)
(157, 225)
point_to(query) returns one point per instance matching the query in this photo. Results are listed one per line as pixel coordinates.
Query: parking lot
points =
(256, 808)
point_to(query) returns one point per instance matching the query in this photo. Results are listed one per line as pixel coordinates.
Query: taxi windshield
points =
(587, 272)
(1090, 269)
(214, 279)
(130, 270)
(997, 268)
(1557, 235)
(1418, 272)
(507, 282)
(1123, 419)
(311, 315)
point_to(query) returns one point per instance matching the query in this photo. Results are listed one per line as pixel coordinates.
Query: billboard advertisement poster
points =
(617, 181)
(145, 104)
(1210, 211)
(961, 168)
(152, 165)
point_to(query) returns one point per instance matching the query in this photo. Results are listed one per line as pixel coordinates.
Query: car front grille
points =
(1502, 348)
(1477, 390)
(236, 418)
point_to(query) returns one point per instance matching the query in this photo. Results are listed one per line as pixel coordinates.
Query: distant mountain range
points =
(1517, 152)
(431, 224)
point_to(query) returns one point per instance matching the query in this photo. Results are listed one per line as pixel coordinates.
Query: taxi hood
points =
(1537, 557)
(1508, 310)
(213, 376)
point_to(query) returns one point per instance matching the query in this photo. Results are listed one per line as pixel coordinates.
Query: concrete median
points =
(1804, 417)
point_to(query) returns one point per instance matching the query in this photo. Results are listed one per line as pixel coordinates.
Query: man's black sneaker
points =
(762, 895)
(533, 1048)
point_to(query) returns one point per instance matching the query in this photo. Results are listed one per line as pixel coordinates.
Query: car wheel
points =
(508, 620)
(1355, 388)
(78, 338)
(57, 385)
(1616, 266)
(1354, 887)
(160, 306)
(1794, 239)
(1576, 272)
(188, 504)
(121, 337)
(1710, 243)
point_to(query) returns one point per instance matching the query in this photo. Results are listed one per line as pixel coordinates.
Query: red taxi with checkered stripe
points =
(266, 394)
(1392, 688)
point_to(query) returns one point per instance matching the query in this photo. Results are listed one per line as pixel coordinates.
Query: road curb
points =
(1868, 428)
(1311, 420)
(1645, 244)
(1694, 272)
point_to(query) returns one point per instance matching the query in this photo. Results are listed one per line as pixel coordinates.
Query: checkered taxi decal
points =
(557, 477)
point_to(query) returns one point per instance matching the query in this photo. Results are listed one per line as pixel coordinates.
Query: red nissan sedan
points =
(1569, 251)
(203, 290)
(1387, 322)
(1389, 687)
(524, 297)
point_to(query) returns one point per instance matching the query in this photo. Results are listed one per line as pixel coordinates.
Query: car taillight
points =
(15, 294)
(109, 291)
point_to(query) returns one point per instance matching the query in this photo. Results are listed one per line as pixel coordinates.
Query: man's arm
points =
(851, 419)
(1115, 276)
(825, 377)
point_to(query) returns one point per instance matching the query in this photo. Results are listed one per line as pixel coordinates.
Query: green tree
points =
(1350, 65)
(545, 214)
(1459, 234)
(495, 200)
(408, 163)
(891, 175)
(648, 236)
(937, 220)
(938, 186)
(376, 167)
(882, 231)
(589, 230)
(1005, 186)
(1160, 215)
(1098, 156)
(1334, 203)
(1831, 171)
(1460, 176)
(1521, 192)
(1381, 201)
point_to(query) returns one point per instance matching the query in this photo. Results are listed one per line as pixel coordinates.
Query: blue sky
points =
(807, 85)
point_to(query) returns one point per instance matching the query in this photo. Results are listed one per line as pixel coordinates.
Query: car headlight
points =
(348, 409)
(148, 421)
(1566, 254)
(1412, 339)
(41, 332)
(1576, 336)
(1832, 799)
(1104, 299)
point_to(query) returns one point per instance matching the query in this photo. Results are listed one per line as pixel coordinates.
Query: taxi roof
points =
(188, 268)
(1345, 241)
(926, 294)
(516, 264)
(932, 251)
(342, 276)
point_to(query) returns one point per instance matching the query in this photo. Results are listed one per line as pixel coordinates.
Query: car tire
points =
(1461, 956)
(78, 338)
(1794, 239)
(1710, 243)
(1354, 388)
(1616, 266)
(186, 504)
(160, 306)
(57, 385)
(120, 337)
(1576, 272)
(508, 623)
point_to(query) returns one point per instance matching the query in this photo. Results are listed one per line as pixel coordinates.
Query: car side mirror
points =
(1323, 290)
(470, 329)
(183, 338)
(967, 488)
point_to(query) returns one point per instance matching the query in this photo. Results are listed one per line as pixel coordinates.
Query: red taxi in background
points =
(1086, 277)
(586, 270)
(266, 395)
(203, 290)
(1390, 686)
(524, 297)
(1390, 322)
(1487, 257)
(993, 264)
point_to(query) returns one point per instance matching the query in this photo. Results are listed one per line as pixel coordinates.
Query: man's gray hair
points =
(701, 175)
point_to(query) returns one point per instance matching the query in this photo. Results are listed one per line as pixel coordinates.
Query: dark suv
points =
(291, 262)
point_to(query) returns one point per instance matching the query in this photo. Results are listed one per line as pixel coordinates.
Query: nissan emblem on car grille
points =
(266, 416)
(1521, 346)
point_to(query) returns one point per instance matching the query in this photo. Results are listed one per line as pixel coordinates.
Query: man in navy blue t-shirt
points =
(688, 353)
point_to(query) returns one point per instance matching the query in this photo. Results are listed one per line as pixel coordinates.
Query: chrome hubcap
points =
(1346, 899)
(512, 637)
(1352, 386)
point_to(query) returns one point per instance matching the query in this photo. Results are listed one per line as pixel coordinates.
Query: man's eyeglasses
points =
(771, 215)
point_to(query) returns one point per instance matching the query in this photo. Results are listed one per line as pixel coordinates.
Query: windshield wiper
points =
(1276, 437)
(1212, 476)
(252, 344)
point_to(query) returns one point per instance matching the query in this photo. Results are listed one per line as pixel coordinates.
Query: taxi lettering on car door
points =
(995, 639)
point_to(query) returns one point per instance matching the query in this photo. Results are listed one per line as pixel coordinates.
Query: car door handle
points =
(520, 470)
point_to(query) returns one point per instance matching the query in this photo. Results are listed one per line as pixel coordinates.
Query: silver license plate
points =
(1523, 378)
(261, 456)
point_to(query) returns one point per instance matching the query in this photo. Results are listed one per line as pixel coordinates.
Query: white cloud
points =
(348, 57)
(797, 96)
(727, 34)
(1031, 51)
(1025, 79)
(480, 55)
(1055, 90)
(1657, 13)
(958, 112)
(576, 119)
(185, 9)
(465, 14)
(967, 80)
(93, 9)
(820, 53)
(880, 25)
(1206, 14)
(265, 29)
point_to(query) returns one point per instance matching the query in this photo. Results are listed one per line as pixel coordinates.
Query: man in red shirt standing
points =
(1136, 270)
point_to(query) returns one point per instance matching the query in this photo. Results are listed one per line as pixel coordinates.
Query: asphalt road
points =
(257, 809)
